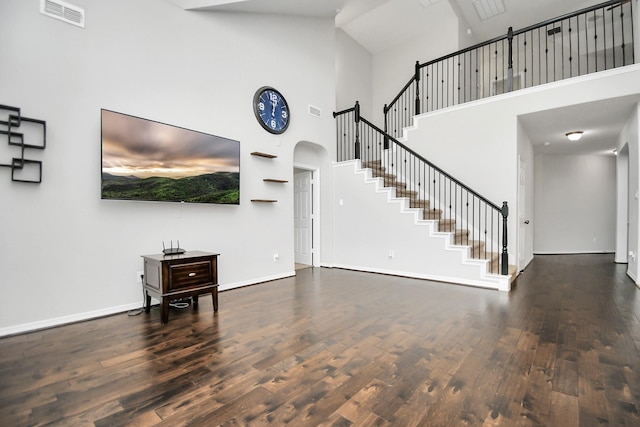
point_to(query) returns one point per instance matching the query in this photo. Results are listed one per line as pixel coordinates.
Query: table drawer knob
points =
(192, 274)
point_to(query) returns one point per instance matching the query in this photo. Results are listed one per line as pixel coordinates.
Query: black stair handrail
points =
(409, 99)
(350, 147)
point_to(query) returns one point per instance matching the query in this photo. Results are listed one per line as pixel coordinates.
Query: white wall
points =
(67, 254)
(353, 75)
(575, 203)
(394, 67)
(376, 232)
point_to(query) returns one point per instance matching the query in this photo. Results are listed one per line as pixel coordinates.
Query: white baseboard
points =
(73, 318)
(452, 280)
(576, 252)
(229, 286)
(633, 277)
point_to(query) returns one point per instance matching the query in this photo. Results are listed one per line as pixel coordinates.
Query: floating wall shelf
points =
(279, 181)
(268, 156)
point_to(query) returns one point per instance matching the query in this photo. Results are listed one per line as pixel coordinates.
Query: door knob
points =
(526, 221)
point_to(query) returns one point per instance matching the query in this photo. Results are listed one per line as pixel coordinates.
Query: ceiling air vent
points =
(63, 11)
(314, 111)
(488, 8)
(552, 31)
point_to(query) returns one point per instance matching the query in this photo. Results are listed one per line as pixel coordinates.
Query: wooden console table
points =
(170, 277)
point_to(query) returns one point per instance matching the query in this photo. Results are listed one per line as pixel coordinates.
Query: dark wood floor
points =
(335, 347)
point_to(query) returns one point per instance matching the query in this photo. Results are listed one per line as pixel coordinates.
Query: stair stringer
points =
(378, 232)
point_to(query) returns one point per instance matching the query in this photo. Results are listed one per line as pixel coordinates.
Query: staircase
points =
(422, 242)
(460, 236)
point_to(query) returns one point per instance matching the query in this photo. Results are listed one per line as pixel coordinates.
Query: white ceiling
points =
(398, 20)
(379, 24)
(601, 122)
(315, 8)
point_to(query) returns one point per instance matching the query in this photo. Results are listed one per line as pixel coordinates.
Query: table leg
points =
(164, 311)
(214, 297)
(147, 307)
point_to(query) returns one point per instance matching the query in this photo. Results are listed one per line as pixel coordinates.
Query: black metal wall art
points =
(14, 127)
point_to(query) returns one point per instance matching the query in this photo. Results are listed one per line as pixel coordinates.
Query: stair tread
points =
(420, 203)
(405, 191)
(447, 225)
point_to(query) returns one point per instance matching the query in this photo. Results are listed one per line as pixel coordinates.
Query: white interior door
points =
(303, 217)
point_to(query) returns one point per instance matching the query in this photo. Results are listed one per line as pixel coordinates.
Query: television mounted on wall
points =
(151, 161)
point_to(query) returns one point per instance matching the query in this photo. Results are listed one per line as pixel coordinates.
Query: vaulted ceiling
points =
(380, 24)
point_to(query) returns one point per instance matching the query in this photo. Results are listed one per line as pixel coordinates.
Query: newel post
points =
(510, 62)
(417, 77)
(357, 120)
(505, 254)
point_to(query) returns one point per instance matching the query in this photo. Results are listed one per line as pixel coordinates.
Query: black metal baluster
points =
(539, 58)
(613, 42)
(604, 36)
(444, 88)
(417, 75)
(570, 49)
(578, 42)
(563, 75)
(357, 129)
(624, 62)
(524, 84)
(486, 216)
(631, 41)
(510, 60)
(492, 248)
(586, 41)
(460, 79)
(477, 80)
(429, 94)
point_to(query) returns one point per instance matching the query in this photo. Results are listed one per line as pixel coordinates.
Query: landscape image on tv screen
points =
(152, 161)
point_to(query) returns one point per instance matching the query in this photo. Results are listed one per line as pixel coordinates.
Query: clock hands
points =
(276, 120)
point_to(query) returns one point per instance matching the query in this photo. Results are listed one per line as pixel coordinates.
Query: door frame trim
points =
(315, 211)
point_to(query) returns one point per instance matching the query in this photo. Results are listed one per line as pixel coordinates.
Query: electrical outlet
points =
(139, 276)
(276, 257)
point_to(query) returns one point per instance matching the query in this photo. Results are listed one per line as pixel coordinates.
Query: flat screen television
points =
(147, 160)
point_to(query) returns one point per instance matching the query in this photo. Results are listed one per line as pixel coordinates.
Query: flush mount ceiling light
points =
(488, 8)
(575, 135)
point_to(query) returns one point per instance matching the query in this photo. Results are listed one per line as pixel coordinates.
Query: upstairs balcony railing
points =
(593, 39)
(473, 220)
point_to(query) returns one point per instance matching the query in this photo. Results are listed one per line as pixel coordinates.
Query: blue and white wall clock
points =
(271, 110)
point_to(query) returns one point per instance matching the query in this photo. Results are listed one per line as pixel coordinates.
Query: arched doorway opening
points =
(310, 172)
